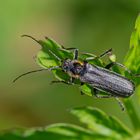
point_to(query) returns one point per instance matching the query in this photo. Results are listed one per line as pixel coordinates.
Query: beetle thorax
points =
(73, 67)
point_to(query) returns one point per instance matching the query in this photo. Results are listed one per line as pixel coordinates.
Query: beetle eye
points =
(66, 67)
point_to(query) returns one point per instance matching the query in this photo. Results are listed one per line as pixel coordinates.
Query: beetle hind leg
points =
(110, 65)
(96, 94)
(120, 103)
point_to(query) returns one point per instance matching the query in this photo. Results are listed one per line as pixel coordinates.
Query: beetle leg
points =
(124, 67)
(90, 58)
(103, 96)
(108, 52)
(70, 82)
(109, 96)
(76, 54)
(119, 64)
(120, 103)
(96, 94)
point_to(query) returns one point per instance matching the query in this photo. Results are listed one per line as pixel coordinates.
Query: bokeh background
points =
(90, 25)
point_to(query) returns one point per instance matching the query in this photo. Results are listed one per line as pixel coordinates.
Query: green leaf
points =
(100, 126)
(99, 122)
(50, 47)
(47, 57)
(59, 131)
(86, 89)
(73, 132)
(132, 59)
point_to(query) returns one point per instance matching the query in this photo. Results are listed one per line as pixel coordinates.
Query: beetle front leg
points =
(108, 52)
(75, 53)
(72, 80)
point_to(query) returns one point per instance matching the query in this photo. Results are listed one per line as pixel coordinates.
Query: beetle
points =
(98, 78)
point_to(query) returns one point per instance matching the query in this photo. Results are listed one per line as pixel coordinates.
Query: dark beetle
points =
(99, 78)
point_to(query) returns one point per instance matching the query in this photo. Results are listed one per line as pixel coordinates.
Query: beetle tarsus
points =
(93, 57)
(108, 52)
(120, 103)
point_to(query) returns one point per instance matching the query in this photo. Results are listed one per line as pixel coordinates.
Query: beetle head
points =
(67, 65)
(73, 67)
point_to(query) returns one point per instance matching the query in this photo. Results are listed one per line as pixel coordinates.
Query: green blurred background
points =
(90, 25)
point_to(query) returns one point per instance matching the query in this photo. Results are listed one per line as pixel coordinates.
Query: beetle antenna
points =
(27, 74)
(39, 43)
(30, 37)
(33, 71)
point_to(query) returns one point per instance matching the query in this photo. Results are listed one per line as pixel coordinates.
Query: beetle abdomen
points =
(108, 81)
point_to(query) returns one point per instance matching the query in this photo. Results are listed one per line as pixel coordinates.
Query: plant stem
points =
(131, 110)
(132, 114)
